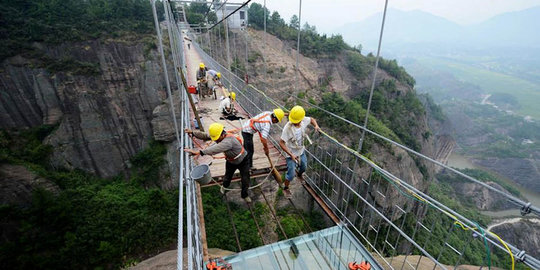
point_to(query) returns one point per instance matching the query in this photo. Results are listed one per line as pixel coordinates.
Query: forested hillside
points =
(69, 69)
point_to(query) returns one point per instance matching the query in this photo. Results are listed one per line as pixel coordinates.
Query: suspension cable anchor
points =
(520, 256)
(526, 209)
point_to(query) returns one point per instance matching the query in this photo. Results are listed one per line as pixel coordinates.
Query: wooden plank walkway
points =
(209, 112)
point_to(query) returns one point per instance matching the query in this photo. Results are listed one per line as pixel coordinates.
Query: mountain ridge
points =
(412, 27)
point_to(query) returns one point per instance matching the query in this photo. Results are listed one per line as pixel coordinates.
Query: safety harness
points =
(241, 144)
(258, 120)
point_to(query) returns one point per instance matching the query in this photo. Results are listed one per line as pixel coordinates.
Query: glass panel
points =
(331, 248)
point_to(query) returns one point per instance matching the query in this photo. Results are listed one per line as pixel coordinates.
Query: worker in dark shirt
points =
(235, 154)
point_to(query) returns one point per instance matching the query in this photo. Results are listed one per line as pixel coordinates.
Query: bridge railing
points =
(392, 216)
(180, 112)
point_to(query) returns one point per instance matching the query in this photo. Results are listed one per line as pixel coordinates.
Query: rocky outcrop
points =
(17, 184)
(481, 197)
(104, 114)
(525, 171)
(520, 232)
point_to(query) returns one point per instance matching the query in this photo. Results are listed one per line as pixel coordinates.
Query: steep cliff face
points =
(101, 94)
(520, 232)
(481, 197)
(17, 184)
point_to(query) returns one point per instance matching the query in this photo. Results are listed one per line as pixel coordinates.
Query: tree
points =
(276, 22)
(295, 22)
(256, 15)
(358, 48)
(309, 28)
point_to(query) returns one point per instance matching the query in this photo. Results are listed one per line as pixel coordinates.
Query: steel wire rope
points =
(273, 214)
(307, 226)
(298, 43)
(232, 222)
(514, 200)
(428, 200)
(526, 206)
(509, 197)
(297, 212)
(361, 141)
(532, 260)
(305, 222)
(177, 133)
(261, 234)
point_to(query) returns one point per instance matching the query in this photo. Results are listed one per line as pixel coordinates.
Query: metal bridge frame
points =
(358, 194)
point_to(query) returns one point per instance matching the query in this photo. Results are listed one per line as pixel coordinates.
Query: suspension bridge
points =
(379, 217)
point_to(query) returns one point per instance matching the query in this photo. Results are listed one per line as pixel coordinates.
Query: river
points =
(461, 162)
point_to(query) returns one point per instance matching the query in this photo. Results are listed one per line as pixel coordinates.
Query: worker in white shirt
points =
(261, 124)
(292, 143)
(226, 106)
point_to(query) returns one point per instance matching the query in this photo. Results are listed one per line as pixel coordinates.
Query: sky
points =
(327, 15)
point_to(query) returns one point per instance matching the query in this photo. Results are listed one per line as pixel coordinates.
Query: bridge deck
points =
(209, 112)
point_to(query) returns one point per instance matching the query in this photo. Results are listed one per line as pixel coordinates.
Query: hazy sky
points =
(330, 14)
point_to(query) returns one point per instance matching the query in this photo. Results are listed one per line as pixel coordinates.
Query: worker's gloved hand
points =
(192, 152)
(188, 131)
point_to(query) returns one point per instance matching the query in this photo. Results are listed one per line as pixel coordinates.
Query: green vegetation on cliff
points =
(92, 222)
(51, 21)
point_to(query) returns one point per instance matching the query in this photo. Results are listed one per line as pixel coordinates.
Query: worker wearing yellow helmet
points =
(226, 106)
(231, 146)
(292, 143)
(201, 74)
(261, 124)
(216, 76)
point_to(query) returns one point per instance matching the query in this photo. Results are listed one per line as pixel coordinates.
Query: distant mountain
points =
(410, 29)
(400, 27)
(520, 28)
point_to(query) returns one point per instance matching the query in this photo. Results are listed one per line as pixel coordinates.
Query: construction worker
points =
(235, 154)
(201, 72)
(292, 143)
(226, 106)
(201, 78)
(261, 124)
(216, 76)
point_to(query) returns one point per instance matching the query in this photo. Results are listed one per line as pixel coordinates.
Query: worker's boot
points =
(247, 199)
(300, 177)
(287, 190)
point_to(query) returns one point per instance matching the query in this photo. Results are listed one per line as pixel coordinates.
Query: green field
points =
(526, 92)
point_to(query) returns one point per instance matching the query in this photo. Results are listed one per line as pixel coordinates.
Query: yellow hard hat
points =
(215, 131)
(201, 65)
(297, 114)
(233, 95)
(219, 75)
(278, 113)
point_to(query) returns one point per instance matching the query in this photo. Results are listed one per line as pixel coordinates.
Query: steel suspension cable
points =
(298, 43)
(439, 206)
(232, 223)
(526, 207)
(374, 76)
(177, 134)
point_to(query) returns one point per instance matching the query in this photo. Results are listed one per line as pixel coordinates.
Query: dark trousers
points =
(248, 145)
(244, 173)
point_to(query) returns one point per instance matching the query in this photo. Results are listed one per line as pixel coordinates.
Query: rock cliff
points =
(520, 232)
(101, 93)
(17, 184)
